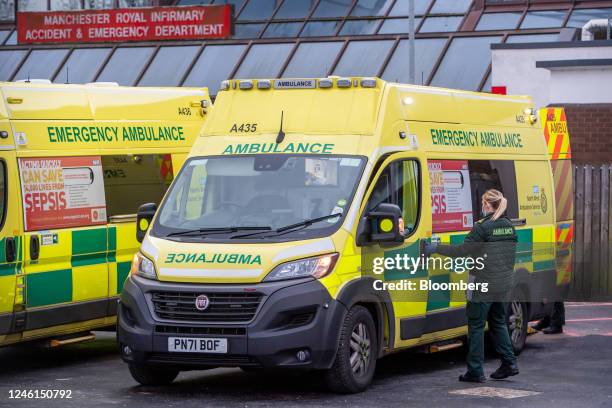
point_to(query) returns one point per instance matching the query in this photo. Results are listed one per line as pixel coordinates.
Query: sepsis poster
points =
(451, 198)
(62, 192)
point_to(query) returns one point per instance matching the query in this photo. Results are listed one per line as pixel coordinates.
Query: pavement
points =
(573, 369)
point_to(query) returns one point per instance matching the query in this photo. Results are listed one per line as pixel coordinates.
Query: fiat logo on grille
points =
(202, 302)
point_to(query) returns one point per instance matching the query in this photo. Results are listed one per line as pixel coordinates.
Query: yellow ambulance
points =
(263, 251)
(75, 163)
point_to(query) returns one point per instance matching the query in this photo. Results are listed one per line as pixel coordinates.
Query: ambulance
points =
(262, 253)
(75, 163)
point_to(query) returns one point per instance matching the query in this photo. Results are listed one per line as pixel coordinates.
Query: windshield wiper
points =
(290, 227)
(222, 230)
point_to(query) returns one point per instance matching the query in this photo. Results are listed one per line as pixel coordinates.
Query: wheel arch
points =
(361, 292)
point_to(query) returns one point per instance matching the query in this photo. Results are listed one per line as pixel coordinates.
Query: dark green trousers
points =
(477, 313)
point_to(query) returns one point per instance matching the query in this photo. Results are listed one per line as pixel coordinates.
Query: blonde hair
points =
(497, 201)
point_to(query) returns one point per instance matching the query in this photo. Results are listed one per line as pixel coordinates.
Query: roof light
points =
(204, 103)
(245, 84)
(343, 83)
(408, 100)
(325, 83)
(225, 85)
(263, 84)
(368, 83)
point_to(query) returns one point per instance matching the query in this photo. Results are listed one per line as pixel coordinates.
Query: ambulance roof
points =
(35, 100)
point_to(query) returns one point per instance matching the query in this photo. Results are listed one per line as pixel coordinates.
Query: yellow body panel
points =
(80, 270)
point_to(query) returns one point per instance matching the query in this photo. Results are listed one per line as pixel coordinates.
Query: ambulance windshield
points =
(258, 197)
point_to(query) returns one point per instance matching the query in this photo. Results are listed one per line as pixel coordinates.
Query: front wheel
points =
(147, 375)
(517, 324)
(355, 361)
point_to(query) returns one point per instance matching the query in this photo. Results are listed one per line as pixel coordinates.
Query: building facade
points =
(303, 38)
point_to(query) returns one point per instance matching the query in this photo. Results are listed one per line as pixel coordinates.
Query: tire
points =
(154, 376)
(358, 344)
(517, 324)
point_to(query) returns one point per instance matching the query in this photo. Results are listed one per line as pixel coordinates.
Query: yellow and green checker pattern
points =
(80, 264)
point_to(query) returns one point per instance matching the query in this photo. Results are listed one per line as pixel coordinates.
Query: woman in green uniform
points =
(493, 238)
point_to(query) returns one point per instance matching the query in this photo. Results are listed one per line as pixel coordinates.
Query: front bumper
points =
(292, 316)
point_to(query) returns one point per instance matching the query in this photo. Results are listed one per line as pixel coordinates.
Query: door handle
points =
(10, 250)
(34, 247)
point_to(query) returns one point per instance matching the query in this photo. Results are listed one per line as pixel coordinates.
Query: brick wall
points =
(590, 129)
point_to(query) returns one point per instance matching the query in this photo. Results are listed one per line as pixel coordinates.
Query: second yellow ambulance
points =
(76, 161)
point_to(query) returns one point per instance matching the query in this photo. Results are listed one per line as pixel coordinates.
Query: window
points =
(264, 61)
(12, 40)
(498, 21)
(451, 6)
(398, 26)
(66, 4)
(258, 10)
(363, 58)
(3, 192)
(359, 27)
(41, 64)
(371, 8)
(168, 66)
(320, 28)
(399, 184)
(544, 19)
(132, 180)
(581, 16)
(276, 30)
(528, 38)
(400, 8)
(10, 62)
(215, 64)
(313, 60)
(4, 35)
(473, 55)
(457, 187)
(125, 65)
(82, 65)
(266, 191)
(332, 8)
(295, 8)
(247, 30)
(497, 174)
(427, 52)
(440, 24)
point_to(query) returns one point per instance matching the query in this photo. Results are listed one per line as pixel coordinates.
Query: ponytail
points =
(496, 200)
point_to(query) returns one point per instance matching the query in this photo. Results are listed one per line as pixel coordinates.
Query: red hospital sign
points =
(129, 24)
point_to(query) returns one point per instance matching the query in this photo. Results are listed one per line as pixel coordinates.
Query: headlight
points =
(143, 266)
(317, 267)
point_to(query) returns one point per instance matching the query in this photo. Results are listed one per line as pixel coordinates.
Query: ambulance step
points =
(434, 348)
(72, 340)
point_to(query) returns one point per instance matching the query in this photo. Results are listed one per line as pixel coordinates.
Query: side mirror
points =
(143, 219)
(383, 225)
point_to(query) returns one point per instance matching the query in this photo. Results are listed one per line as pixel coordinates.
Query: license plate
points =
(197, 345)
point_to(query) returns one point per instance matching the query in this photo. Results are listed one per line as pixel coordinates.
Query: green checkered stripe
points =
(92, 246)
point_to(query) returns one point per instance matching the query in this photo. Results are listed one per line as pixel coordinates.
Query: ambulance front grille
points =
(223, 307)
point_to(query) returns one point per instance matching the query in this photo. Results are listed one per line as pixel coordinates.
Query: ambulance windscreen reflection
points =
(280, 196)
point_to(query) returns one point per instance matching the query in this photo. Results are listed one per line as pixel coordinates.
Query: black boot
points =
(467, 377)
(541, 324)
(553, 330)
(505, 371)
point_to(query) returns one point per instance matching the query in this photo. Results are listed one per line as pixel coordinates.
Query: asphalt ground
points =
(569, 370)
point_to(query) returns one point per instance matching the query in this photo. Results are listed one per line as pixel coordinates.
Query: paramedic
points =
(493, 238)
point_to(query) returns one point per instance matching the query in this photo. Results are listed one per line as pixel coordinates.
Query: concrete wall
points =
(515, 68)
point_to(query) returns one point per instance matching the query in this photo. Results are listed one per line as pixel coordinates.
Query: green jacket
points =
(495, 241)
